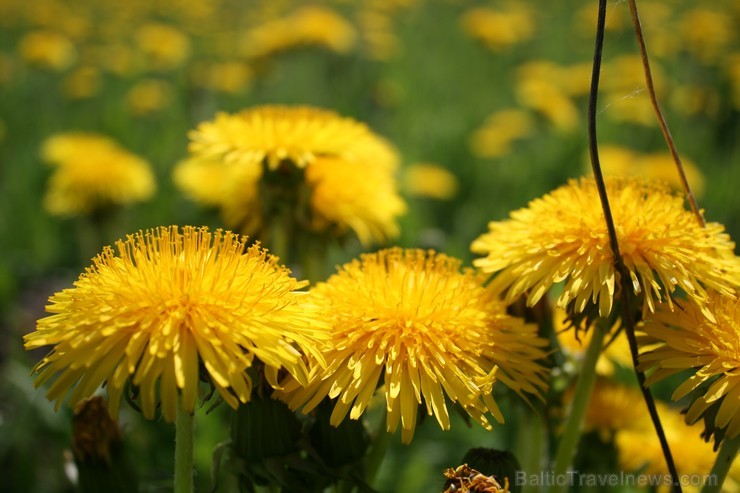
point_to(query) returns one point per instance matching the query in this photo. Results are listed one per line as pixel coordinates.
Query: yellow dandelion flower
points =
(82, 83)
(234, 189)
(706, 33)
(318, 26)
(639, 448)
(624, 93)
(620, 161)
(430, 180)
(91, 171)
(346, 194)
(230, 77)
(562, 237)
(167, 301)
(614, 406)
(497, 134)
(381, 42)
(573, 344)
(164, 47)
(710, 346)
(412, 319)
(47, 49)
(618, 413)
(499, 29)
(148, 96)
(661, 166)
(547, 98)
(299, 134)
(349, 170)
(61, 148)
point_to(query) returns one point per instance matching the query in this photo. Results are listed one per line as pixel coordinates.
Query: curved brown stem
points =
(659, 113)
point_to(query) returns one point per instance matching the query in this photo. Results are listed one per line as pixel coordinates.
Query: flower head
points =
(412, 319)
(688, 340)
(92, 171)
(169, 301)
(347, 171)
(563, 237)
(314, 25)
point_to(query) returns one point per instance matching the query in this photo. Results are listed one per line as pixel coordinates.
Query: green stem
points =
(572, 433)
(530, 439)
(377, 452)
(184, 435)
(722, 464)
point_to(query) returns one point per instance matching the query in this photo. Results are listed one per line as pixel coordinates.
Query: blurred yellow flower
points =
(413, 320)
(378, 34)
(47, 49)
(497, 134)
(625, 96)
(149, 96)
(82, 83)
(429, 180)
(621, 161)
(706, 33)
(639, 450)
(617, 412)
(91, 171)
(694, 100)
(709, 346)
(573, 344)
(615, 406)
(164, 47)
(313, 25)
(167, 302)
(545, 97)
(562, 237)
(499, 29)
(231, 77)
(348, 169)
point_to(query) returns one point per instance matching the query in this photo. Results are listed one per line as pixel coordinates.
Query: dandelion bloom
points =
(413, 320)
(349, 172)
(167, 302)
(308, 26)
(709, 346)
(48, 49)
(92, 171)
(563, 237)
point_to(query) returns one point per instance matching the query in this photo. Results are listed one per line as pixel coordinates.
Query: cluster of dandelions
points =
(408, 323)
(171, 300)
(684, 275)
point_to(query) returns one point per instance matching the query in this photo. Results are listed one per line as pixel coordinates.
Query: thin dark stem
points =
(628, 314)
(659, 114)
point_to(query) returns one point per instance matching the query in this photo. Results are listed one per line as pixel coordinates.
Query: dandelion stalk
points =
(722, 465)
(377, 452)
(584, 386)
(659, 113)
(184, 435)
(628, 321)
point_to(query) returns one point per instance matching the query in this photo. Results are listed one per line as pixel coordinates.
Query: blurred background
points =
(484, 100)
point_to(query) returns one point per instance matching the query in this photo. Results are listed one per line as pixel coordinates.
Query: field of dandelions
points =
(331, 130)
